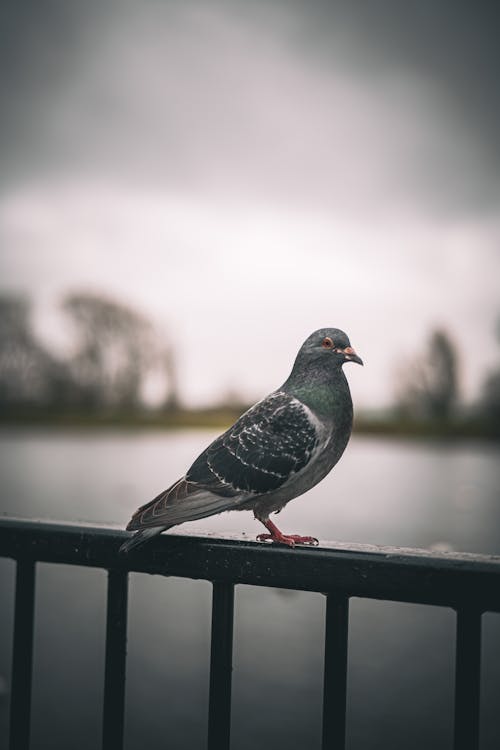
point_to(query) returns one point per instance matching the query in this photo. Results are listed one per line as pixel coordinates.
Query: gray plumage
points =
(274, 452)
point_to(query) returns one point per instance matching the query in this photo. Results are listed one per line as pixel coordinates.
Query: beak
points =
(351, 355)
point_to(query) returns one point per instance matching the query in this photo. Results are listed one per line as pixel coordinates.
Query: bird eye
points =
(327, 343)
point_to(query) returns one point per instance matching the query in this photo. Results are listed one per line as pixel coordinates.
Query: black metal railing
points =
(468, 583)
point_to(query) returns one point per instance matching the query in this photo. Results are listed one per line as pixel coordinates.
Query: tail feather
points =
(140, 538)
(184, 501)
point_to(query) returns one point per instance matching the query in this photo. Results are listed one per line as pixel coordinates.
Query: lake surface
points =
(401, 657)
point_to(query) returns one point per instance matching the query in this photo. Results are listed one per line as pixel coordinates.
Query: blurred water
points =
(400, 656)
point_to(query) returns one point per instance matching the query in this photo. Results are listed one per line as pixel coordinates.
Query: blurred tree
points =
(168, 364)
(29, 374)
(490, 398)
(428, 385)
(116, 348)
(489, 405)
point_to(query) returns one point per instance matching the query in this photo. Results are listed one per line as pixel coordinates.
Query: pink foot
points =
(289, 539)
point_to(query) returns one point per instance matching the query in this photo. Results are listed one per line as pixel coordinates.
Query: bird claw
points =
(289, 539)
(304, 539)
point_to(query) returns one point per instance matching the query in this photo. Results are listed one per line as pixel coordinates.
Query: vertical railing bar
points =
(335, 674)
(221, 665)
(115, 661)
(467, 679)
(22, 656)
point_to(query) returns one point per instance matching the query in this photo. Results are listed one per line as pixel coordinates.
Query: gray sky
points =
(248, 172)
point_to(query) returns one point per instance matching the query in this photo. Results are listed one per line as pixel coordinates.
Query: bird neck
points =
(325, 392)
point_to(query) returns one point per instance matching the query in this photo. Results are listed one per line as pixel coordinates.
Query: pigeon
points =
(277, 450)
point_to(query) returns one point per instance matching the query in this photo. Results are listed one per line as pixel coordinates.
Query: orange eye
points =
(327, 343)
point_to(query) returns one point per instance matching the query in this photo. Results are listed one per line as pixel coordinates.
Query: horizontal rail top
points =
(406, 575)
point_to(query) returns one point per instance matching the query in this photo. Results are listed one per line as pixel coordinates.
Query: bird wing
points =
(267, 445)
(273, 440)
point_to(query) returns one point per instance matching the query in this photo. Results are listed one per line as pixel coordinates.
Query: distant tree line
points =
(113, 352)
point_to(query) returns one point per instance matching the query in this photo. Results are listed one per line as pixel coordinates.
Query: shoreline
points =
(221, 418)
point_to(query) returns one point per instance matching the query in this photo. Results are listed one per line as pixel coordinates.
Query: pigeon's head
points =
(330, 347)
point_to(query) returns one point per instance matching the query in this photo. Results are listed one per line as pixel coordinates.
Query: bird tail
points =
(184, 501)
(140, 538)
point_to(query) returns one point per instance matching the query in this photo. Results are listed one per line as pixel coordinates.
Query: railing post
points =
(221, 665)
(467, 679)
(22, 658)
(116, 650)
(335, 679)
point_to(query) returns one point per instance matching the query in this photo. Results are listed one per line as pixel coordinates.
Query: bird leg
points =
(277, 536)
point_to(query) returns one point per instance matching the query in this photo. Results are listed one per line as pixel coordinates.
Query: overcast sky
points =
(246, 172)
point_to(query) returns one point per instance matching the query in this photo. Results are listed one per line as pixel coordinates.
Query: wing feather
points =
(271, 441)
